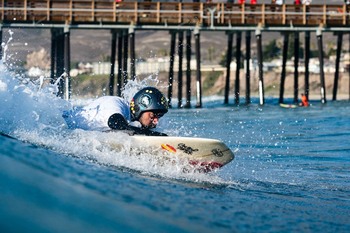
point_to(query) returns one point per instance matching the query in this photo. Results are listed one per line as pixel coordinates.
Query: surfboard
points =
(201, 154)
(288, 105)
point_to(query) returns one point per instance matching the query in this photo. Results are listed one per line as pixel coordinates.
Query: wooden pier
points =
(124, 18)
(220, 16)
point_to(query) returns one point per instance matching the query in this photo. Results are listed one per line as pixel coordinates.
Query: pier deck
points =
(158, 15)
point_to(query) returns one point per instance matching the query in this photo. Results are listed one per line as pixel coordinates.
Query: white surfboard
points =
(202, 154)
(288, 105)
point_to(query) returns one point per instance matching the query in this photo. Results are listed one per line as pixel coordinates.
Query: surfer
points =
(113, 113)
(304, 101)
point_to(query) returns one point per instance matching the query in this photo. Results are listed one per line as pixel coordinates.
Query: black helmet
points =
(148, 99)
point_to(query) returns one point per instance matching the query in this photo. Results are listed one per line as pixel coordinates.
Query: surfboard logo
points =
(187, 149)
(217, 152)
(168, 148)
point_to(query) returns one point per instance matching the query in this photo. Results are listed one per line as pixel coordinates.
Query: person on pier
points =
(114, 113)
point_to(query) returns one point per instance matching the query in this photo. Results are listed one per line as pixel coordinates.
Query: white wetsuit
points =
(95, 115)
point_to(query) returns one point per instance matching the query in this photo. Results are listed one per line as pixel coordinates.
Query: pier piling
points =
(296, 65)
(320, 57)
(238, 66)
(53, 55)
(188, 69)
(59, 47)
(228, 66)
(198, 71)
(120, 62)
(337, 61)
(171, 66)
(113, 53)
(247, 66)
(132, 53)
(284, 62)
(260, 64)
(179, 74)
(125, 56)
(0, 42)
(307, 60)
(66, 64)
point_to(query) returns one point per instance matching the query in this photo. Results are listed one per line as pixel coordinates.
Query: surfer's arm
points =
(118, 122)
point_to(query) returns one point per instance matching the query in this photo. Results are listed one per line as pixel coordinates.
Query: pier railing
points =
(171, 13)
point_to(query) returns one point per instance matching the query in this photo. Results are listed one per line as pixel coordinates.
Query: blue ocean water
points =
(290, 173)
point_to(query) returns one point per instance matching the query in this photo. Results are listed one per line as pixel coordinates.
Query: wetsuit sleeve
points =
(117, 121)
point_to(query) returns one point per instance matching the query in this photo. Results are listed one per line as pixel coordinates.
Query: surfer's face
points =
(149, 119)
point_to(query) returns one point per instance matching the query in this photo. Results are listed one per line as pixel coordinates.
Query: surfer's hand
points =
(140, 131)
(117, 121)
(154, 133)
